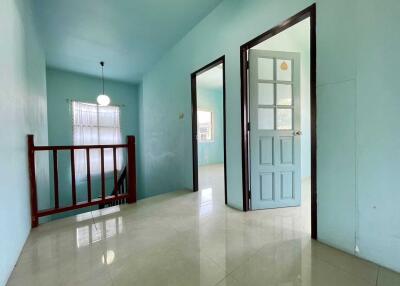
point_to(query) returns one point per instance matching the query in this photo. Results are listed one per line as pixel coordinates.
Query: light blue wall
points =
(377, 140)
(358, 111)
(131, 35)
(212, 100)
(61, 86)
(22, 111)
(140, 158)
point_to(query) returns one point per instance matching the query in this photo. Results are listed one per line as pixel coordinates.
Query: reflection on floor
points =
(211, 182)
(186, 238)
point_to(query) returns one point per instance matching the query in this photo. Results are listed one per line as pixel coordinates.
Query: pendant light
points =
(103, 99)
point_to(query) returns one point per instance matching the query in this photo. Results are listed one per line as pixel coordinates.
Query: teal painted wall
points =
(140, 158)
(22, 111)
(61, 86)
(212, 152)
(358, 107)
(131, 35)
(377, 116)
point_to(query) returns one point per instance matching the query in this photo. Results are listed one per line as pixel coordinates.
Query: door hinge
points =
(247, 65)
(249, 194)
(248, 126)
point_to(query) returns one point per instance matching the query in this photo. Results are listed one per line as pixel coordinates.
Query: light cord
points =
(102, 74)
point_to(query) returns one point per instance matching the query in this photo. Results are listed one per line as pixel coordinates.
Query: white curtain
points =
(94, 125)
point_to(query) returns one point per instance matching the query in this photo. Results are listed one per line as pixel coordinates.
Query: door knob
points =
(298, 133)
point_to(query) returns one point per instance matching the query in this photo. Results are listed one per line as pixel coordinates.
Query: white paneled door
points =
(275, 129)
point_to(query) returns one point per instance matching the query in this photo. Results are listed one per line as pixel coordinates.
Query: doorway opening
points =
(209, 130)
(278, 77)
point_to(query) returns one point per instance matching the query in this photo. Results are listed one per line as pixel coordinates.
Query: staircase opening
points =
(124, 184)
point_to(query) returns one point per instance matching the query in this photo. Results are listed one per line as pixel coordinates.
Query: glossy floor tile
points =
(186, 238)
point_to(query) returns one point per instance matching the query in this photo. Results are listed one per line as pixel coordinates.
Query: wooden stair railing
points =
(124, 187)
(121, 189)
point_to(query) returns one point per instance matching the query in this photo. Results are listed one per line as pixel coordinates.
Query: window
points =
(94, 125)
(205, 126)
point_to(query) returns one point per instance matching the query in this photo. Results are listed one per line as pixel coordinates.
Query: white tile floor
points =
(186, 238)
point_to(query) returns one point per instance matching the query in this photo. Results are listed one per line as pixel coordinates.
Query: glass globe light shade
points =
(103, 100)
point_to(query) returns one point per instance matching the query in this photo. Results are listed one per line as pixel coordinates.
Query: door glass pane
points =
(284, 94)
(266, 118)
(266, 93)
(284, 70)
(284, 118)
(265, 69)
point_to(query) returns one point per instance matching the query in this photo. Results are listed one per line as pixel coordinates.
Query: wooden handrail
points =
(122, 177)
(128, 175)
(131, 170)
(80, 205)
(75, 147)
(32, 182)
(119, 189)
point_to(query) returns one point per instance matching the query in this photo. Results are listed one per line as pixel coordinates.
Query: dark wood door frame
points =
(209, 66)
(309, 12)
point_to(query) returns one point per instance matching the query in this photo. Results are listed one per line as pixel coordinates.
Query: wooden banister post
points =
(32, 181)
(131, 170)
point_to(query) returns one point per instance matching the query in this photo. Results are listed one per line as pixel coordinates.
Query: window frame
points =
(212, 126)
(108, 172)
